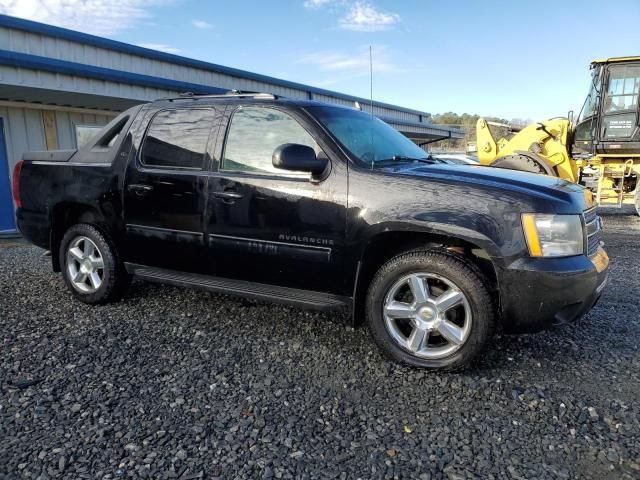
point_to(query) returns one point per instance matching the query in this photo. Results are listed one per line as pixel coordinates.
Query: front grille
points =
(593, 242)
(590, 215)
(593, 227)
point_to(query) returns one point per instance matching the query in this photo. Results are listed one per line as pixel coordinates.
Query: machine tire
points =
(92, 246)
(467, 280)
(523, 163)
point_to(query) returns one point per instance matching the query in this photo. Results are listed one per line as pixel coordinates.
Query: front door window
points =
(254, 134)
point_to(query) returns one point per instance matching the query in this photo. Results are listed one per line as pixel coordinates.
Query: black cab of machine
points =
(319, 206)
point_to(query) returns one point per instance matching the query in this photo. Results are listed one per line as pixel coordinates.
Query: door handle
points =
(139, 188)
(228, 195)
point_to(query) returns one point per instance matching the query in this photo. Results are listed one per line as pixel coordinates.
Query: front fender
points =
(437, 230)
(496, 230)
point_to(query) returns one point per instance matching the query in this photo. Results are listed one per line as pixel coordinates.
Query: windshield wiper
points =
(403, 158)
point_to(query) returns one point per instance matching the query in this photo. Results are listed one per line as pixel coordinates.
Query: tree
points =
(467, 123)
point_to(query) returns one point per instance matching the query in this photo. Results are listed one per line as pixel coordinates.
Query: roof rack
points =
(230, 93)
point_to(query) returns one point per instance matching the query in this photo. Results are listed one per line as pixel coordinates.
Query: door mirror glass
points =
(298, 158)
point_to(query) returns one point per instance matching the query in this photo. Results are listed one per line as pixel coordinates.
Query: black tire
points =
(522, 163)
(115, 279)
(466, 277)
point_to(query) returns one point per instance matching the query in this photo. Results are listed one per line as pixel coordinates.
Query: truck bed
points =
(49, 155)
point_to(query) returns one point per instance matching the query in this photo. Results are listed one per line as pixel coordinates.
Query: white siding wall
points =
(36, 44)
(24, 130)
(55, 81)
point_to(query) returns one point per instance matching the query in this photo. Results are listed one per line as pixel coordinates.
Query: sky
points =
(511, 59)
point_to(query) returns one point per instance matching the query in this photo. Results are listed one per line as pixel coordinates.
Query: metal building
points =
(57, 86)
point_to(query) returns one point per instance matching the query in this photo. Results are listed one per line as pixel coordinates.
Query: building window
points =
(84, 134)
(178, 138)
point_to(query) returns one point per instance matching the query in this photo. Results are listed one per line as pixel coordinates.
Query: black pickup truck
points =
(319, 206)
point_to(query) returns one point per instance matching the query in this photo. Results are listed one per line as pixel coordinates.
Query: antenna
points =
(371, 100)
(371, 78)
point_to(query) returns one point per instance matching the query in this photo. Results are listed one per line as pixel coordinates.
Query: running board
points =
(259, 291)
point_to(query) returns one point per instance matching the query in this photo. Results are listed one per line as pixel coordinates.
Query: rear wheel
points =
(430, 309)
(521, 162)
(92, 269)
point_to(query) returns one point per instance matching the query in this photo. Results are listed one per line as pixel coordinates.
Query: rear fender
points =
(62, 217)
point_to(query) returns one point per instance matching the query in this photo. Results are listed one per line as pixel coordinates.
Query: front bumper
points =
(536, 293)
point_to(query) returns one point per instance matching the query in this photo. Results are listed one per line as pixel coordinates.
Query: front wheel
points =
(92, 269)
(430, 309)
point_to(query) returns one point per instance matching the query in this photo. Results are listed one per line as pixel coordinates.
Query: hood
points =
(530, 184)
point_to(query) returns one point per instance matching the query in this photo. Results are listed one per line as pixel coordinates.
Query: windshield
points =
(591, 103)
(367, 138)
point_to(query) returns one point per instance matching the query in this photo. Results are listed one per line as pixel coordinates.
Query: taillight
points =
(15, 184)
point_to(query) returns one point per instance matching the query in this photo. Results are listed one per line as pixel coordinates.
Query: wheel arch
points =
(386, 244)
(65, 214)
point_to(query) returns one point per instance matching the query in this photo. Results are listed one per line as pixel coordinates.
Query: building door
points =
(7, 216)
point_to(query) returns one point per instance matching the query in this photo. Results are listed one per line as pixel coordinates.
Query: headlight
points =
(553, 235)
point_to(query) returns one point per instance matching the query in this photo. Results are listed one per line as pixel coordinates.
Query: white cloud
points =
(99, 17)
(317, 3)
(201, 24)
(364, 17)
(355, 63)
(160, 47)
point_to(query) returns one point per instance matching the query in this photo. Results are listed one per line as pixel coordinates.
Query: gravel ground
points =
(183, 384)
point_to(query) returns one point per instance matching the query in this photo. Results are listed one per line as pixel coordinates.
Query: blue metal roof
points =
(36, 62)
(84, 38)
(46, 64)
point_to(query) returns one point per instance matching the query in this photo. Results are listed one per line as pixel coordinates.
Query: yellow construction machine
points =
(601, 150)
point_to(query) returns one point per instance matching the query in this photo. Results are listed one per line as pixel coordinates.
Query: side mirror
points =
(298, 158)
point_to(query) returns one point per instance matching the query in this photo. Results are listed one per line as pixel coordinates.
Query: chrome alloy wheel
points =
(85, 265)
(427, 315)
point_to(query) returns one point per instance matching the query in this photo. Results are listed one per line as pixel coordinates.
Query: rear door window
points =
(178, 138)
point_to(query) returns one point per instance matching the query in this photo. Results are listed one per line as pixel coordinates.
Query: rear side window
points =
(178, 138)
